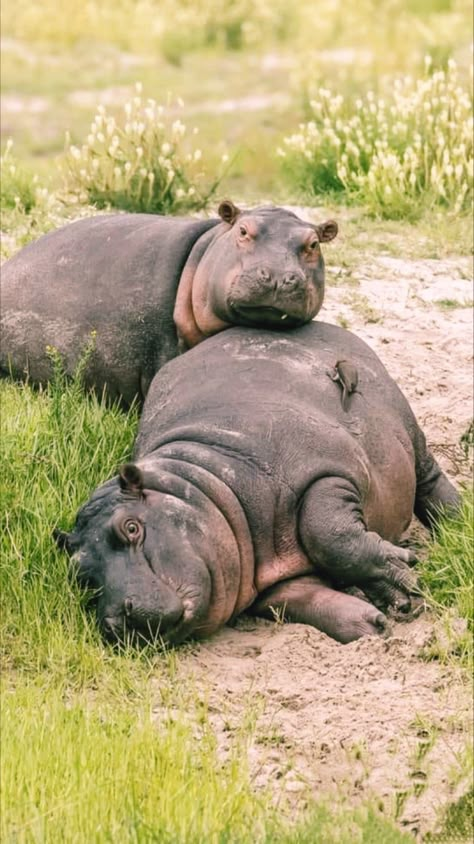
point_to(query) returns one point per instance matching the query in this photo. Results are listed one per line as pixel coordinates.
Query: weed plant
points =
(398, 155)
(140, 164)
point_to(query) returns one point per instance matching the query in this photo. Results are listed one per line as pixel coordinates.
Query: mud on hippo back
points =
(254, 488)
(151, 286)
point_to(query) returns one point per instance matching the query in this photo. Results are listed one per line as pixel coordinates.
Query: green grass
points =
(453, 304)
(447, 577)
(458, 823)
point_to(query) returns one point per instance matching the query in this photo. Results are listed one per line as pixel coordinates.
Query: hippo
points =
(252, 488)
(149, 287)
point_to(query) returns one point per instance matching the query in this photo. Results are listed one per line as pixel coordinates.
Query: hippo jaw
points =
(269, 316)
(268, 298)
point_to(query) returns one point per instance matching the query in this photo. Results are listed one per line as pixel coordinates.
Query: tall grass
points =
(142, 162)
(398, 154)
(447, 577)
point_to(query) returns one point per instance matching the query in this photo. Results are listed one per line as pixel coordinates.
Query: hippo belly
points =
(255, 487)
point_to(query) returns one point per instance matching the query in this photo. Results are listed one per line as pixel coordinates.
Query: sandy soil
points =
(374, 718)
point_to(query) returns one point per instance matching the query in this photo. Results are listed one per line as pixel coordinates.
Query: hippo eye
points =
(243, 231)
(314, 245)
(132, 529)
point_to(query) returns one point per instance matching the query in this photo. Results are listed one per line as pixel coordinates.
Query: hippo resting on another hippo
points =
(253, 488)
(145, 283)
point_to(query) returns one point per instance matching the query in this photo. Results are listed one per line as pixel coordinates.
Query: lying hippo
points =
(145, 283)
(252, 487)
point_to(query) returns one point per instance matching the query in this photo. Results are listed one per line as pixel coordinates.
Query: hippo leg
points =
(435, 494)
(335, 538)
(309, 600)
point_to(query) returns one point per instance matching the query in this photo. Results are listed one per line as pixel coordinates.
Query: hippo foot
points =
(337, 541)
(309, 600)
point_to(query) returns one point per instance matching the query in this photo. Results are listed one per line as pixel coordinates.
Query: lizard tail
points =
(345, 398)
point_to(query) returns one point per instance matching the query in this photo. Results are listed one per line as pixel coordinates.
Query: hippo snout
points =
(138, 618)
(291, 281)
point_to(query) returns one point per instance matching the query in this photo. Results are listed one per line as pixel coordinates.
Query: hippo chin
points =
(255, 489)
(151, 286)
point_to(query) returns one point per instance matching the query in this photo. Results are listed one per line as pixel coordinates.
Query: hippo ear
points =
(131, 479)
(64, 541)
(327, 231)
(228, 212)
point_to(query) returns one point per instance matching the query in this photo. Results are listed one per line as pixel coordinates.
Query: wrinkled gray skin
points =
(253, 488)
(151, 286)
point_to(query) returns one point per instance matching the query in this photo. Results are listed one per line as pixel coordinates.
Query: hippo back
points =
(115, 275)
(272, 395)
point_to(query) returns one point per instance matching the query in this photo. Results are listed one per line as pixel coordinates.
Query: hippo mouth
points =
(263, 315)
(118, 631)
(140, 634)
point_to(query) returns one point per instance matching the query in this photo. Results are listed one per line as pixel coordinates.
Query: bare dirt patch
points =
(375, 718)
(369, 719)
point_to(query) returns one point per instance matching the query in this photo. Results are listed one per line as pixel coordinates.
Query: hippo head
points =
(263, 269)
(138, 549)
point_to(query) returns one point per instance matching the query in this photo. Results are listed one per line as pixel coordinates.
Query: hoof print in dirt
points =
(249, 491)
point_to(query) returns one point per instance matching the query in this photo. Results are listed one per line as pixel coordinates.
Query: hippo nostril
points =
(264, 274)
(290, 280)
(128, 606)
